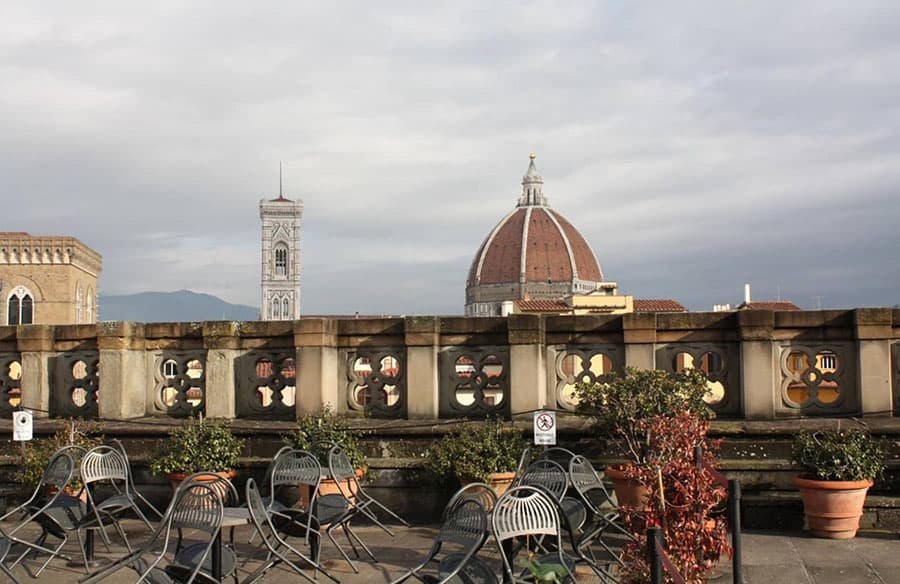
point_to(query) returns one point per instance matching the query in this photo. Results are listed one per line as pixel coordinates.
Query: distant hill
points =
(183, 305)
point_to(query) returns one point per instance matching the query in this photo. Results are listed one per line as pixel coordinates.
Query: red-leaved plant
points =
(683, 500)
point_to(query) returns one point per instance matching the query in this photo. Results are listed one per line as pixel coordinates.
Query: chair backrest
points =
(60, 470)
(585, 479)
(198, 505)
(296, 467)
(268, 476)
(339, 464)
(522, 511)
(481, 492)
(224, 487)
(465, 525)
(103, 463)
(547, 475)
(558, 454)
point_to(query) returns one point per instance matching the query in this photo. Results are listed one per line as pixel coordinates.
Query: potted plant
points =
(838, 466)
(619, 408)
(478, 452)
(683, 499)
(198, 445)
(37, 454)
(314, 432)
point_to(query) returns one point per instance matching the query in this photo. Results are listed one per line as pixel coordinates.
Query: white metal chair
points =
(117, 444)
(526, 512)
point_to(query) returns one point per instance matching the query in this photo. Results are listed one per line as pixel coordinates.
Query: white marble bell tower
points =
(280, 257)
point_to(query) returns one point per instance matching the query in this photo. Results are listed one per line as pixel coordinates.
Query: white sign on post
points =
(23, 426)
(545, 428)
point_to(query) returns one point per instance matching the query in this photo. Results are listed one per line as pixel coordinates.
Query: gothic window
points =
(281, 261)
(13, 310)
(285, 305)
(79, 300)
(89, 306)
(20, 306)
(27, 310)
(276, 309)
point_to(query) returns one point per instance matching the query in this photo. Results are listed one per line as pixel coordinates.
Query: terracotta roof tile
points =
(542, 306)
(658, 305)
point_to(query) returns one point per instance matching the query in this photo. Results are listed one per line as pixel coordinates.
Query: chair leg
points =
(9, 573)
(339, 548)
(55, 553)
(362, 544)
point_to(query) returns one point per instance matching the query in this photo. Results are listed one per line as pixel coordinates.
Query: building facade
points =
(280, 265)
(47, 280)
(534, 253)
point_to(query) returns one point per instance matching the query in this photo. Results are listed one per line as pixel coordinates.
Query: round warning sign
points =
(545, 428)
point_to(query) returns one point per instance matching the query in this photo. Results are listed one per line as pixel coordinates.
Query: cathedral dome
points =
(534, 252)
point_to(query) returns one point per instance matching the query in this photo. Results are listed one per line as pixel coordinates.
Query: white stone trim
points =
(523, 277)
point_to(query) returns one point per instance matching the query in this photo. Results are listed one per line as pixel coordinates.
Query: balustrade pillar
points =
(422, 338)
(639, 334)
(760, 371)
(873, 331)
(35, 345)
(317, 364)
(222, 343)
(123, 375)
(527, 361)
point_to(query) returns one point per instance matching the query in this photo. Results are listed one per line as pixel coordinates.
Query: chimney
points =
(747, 293)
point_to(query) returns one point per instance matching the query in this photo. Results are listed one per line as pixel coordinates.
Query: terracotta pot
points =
(499, 481)
(833, 508)
(629, 492)
(330, 487)
(176, 478)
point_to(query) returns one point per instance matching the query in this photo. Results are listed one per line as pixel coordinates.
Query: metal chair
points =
(525, 512)
(197, 506)
(193, 554)
(360, 501)
(117, 444)
(553, 478)
(276, 545)
(57, 474)
(603, 516)
(463, 531)
(105, 465)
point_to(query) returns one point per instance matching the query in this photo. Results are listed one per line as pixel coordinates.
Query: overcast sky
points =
(696, 145)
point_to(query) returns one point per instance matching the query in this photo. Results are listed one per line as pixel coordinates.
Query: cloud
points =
(696, 146)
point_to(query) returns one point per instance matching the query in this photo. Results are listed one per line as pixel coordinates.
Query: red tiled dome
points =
(553, 250)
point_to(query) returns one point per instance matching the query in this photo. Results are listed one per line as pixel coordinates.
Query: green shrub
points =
(620, 404)
(313, 429)
(839, 455)
(475, 451)
(198, 445)
(38, 452)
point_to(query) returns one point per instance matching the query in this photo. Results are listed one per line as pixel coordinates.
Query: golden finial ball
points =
(531, 156)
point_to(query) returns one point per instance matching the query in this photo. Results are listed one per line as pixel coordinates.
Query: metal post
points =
(734, 517)
(654, 539)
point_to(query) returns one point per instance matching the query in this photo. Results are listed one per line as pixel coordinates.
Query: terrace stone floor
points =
(769, 558)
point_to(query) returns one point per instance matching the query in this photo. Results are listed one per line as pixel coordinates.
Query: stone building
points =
(280, 258)
(534, 253)
(47, 279)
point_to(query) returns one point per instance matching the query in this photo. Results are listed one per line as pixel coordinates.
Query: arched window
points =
(13, 317)
(20, 306)
(89, 306)
(27, 310)
(281, 261)
(276, 309)
(285, 305)
(79, 304)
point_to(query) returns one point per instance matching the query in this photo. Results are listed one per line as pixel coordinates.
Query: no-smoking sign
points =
(545, 428)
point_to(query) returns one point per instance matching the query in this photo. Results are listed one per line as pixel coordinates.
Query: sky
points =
(698, 146)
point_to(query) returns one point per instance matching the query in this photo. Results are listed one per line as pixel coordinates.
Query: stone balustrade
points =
(762, 365)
